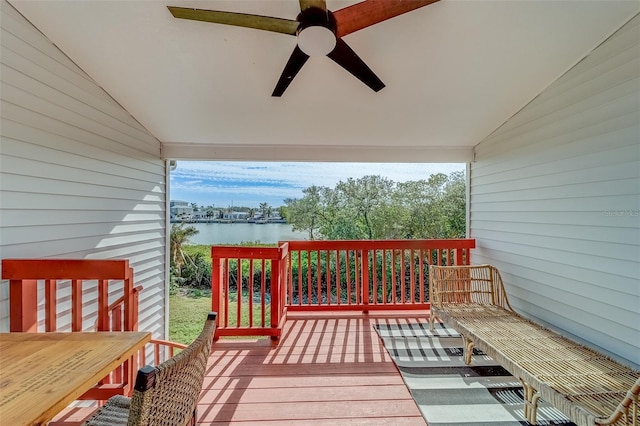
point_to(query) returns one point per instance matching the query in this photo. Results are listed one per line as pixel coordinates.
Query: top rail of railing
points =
(381, 244)
(256, 253)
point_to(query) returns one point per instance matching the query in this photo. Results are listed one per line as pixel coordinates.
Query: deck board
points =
(326, 369)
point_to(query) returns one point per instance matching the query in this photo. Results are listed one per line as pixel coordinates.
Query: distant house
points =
(200, 215)
(181, 210)
(233, 215)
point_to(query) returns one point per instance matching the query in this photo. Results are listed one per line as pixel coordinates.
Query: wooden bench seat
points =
(587, 386)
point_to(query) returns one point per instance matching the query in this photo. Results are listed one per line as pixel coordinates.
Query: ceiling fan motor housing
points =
(317, 32)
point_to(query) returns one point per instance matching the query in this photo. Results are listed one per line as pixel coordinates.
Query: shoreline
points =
(257, 222)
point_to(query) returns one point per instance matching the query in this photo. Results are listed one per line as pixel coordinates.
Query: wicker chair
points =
(165, 395)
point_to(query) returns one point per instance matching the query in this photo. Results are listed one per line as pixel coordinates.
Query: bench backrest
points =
(479, 284)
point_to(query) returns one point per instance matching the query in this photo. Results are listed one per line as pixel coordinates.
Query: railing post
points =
(129, 303)
(136, 303)
(275, 292)
(216, 284)
(23, 305)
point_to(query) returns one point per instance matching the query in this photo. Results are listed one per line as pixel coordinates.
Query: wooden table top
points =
(42, 373)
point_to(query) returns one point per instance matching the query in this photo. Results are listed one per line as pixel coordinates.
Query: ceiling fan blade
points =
(306, 4)
(294, 64)
(364, 14)
(267, 23)
(344, 56)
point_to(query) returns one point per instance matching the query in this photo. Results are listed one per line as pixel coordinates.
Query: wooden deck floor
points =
(327, 369)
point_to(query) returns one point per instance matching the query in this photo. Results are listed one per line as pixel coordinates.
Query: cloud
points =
(220, 183)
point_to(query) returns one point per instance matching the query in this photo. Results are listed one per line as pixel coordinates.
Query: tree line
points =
(373, 207)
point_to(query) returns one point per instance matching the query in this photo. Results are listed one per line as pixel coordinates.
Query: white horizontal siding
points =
(555, 200)
(80, 177)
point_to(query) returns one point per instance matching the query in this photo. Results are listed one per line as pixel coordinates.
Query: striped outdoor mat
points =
(449, 392)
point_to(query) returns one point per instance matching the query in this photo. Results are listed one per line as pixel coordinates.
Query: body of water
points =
(235, 233)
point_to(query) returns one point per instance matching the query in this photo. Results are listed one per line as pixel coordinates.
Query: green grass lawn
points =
(187, 316)
(187, 313)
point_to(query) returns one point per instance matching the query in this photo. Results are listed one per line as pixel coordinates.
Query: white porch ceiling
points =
(454, 71)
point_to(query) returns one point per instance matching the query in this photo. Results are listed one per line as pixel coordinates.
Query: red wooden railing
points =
(58, 276)
(60, 288)
(367, 275)
(255, 277)
(253, 288)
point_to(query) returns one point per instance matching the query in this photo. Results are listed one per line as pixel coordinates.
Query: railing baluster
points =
(239, 293)
(250, 289)
(412, 284)
(226, 292)
(348, 268)
(318, 275)
(374, 280)
(308, 277)
(384, 276)
(103, 306)
(365, 277)
(357, 277)
(76, 305)
(328, 275)
(403, 280)
(338, 279)
(289, 281)
(116, 318)
(143, 356)
(50, 304)
(299, 253)
(421, 275)
(263, 291)
(393, 276)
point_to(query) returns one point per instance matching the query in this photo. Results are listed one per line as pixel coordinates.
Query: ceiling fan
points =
(319, 32)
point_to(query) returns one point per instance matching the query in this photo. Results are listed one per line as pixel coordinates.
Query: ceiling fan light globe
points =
(316, 40)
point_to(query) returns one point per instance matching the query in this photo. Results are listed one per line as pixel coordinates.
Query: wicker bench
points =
(588, 387)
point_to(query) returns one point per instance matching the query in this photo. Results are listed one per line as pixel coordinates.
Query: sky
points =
(233, 183)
